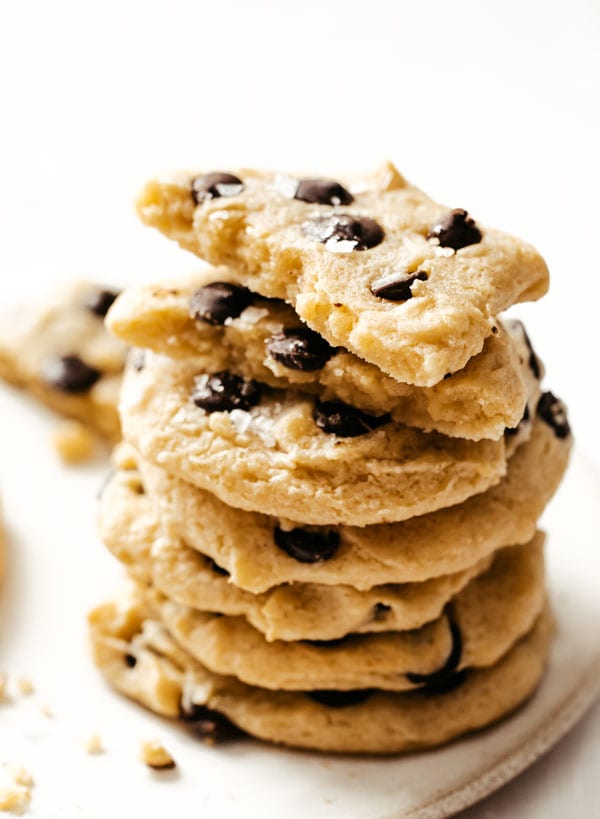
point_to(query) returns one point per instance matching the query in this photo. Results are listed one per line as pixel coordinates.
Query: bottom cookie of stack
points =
(139, 657)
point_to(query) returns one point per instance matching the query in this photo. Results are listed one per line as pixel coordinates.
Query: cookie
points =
(483, 621)
(60, 352)
(139, 658)
(377, 267)
(227, 327)
(260, 552)
(282, 453)
(300, 611)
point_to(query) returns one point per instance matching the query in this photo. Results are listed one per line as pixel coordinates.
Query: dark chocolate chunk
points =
(207, 723)
(218, 301)
(439, 679)
(99, 301)
(130, 660)
(299, 348)
(306, 545)
(396, 287)
(380, 610)
(524, 419)
(552, 410)
(214, 185)
(340, 699)
(69, 373)
(337, 418)
(457, 230)
(362, 231)
(223, 392)
(216, 568)
(323, 192)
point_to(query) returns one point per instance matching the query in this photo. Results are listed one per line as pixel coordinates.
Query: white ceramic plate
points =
(58, 569)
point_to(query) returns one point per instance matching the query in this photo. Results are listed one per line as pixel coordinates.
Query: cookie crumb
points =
(14, 798)
(21, 776)
(74, 442)
(156, 756)
(25, 686)
(93, 744)
(47, 711)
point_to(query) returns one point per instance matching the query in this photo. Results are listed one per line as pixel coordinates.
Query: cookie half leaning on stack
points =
(336, 456)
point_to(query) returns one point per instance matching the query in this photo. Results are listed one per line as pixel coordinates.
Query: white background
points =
(489, 106)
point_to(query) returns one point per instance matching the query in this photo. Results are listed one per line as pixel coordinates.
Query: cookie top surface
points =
(279, 452)
(225, 326)
(260, 551)
(60, 352)
(129, 527)
(388, 274)
(137, 655)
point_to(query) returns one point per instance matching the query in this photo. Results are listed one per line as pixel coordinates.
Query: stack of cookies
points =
(335, 458)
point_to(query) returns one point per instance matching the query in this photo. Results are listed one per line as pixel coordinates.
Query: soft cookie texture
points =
(60, 352)
(281, 453)
(208, 316)
(376, 267)
(485, 619)
(440, 543)
(138, 657)
(129, 527)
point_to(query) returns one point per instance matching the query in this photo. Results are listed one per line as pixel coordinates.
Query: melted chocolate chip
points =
(524, 419)
(445, 685)
(440, 679)
(380, 610)
(100, 301)
(69, 373)
(337, 418)
(130, 660)
(552, 410)
(299, 348)
(307, 546)
(214, 185)
(223, 392)
(327, 643)
(218, 301)
(207, 723)
(457, 230)
(397, 286)
(340, 699)
(323, 192)
(361, 231)
(216, 568)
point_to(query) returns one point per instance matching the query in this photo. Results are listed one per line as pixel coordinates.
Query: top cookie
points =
(372, 264)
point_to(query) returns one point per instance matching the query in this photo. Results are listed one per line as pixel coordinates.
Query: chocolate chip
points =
(552, 410)
(457, 230)
(130, 660)
(299, 348)
(396, 287)
(100, 301)
(207, 723)
(69, 373)
(216, 568)
(533, 361)
(337, 418)
(214, 185)
(524, 419)
(444, 685)
(361, 231)
(223, 391)
(307, 546)
(328, 643)
(380, 611)
(340, 699)
(438, 680)
(323, 192)
(218, 301)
